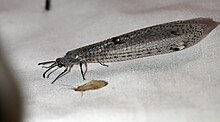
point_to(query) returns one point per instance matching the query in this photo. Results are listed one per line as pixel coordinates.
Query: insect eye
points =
(60, 65)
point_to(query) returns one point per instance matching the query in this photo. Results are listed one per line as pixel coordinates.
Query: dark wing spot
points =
(174, 48)
(116, 40)
(175, 33)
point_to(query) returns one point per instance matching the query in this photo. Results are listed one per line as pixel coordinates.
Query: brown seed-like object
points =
(92, 85)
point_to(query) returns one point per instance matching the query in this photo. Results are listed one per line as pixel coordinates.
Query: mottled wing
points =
(159, 39)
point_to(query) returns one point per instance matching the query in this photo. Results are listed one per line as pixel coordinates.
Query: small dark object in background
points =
(47, 5)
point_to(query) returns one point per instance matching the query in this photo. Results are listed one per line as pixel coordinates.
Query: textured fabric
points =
(182, 86)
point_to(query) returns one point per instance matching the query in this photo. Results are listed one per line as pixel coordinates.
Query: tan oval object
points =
(92, 85)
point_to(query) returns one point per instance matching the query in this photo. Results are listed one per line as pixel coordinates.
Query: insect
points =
(154, 40)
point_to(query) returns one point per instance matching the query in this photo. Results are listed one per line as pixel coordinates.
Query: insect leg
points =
(60, 75)
(86, 68)
(46, 67)
(50, 67)
(103, 64)
(69, 69)
(48, 75)
(83, 75)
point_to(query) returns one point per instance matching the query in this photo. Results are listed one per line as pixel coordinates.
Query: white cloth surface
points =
(177, 87)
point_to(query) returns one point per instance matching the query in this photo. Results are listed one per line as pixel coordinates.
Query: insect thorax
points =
(73, 57)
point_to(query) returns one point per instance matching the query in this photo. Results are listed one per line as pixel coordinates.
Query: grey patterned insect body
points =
(155, 40)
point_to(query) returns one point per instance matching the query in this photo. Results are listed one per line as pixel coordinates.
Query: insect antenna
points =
(60, 75)
(47, 62)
